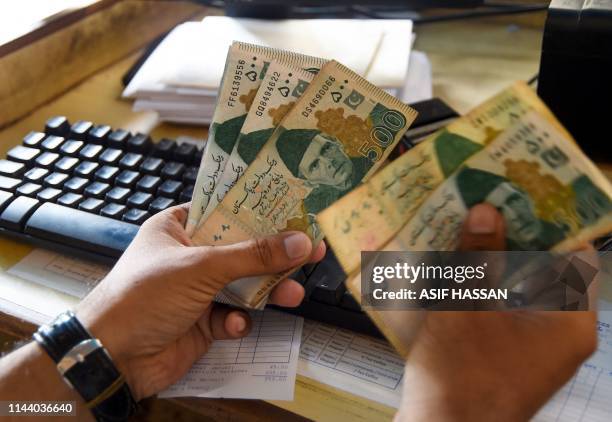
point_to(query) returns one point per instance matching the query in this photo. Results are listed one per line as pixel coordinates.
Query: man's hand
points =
(154, 312)
(492, 365)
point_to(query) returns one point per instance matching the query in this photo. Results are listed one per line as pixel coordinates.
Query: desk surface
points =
(471, 61)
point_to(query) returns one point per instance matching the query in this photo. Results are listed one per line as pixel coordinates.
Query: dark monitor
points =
(280, 9)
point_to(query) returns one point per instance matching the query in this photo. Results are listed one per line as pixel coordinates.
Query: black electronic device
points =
(575, 77)
(282, 9)
(85, 189)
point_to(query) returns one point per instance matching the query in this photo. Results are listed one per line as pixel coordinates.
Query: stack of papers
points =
(181, 78)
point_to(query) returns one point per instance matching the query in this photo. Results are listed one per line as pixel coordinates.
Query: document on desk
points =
(261, 365)
(361, 365)
(66, 274)
(588, 395)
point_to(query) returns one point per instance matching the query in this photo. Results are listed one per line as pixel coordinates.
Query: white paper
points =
(588, 395)
(262, 365)
(419, 80)
(359, 364)
(66, 274)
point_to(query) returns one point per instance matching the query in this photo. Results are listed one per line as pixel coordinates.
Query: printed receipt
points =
(262, 365)
(586, 397)
(362, 365)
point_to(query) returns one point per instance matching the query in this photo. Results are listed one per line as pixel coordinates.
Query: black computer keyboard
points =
(85, 189)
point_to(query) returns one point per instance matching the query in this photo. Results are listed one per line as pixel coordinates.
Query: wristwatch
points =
(87, 367)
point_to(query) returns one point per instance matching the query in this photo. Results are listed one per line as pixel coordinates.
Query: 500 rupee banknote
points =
(245, 69)
(282, 86)
(550, 194)
(338, 133)
(372, 214)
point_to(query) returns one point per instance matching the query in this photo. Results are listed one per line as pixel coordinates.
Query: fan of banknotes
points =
(296, 142)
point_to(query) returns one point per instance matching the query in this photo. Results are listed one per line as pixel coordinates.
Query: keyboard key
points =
(186, 194)
(9, 183)
(173, 170)
(118, 195)
(71, 147)
(160, 204)
(148, 183)
(49, 195)
(152, 165)
(110, 156)
(139, 143)
(17, 212)
(185, 153)
(329, 290)
(130, 161)
(52, 143)
(11, 168)
(66, 164)
(81, 230)
(97, 190)
(58, 126)
(140, 200)
(99, 134)
(80, 130)
(90, 152)
(326, 279)
(113, 211)
(22, 154)
(106, 174)
(170, 189)
(190, 175)
(118, 138)
(86, 169)
(127, 179)
(164, 148)
(33, 139)
(76, 185)
(91, 205)
(135, 216)
(5, 199)
(70, 199)
(198, 157)
(29, 189)
(47, 159)
(55, 180)
(36, 174)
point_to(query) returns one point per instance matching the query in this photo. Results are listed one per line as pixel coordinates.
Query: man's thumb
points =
(483, 230)
(267, 255)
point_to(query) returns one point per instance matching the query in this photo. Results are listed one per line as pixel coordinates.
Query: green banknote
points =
(372, 214)
(282, 86)
(245, 68)
(550, 194)
(338, 133)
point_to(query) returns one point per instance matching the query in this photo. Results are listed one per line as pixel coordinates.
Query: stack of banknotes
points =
(296, 143)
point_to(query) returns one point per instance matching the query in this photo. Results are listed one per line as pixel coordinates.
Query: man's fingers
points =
(318, 253)
(227, 323)
(483, 230)
(266, 255)
(288, 293)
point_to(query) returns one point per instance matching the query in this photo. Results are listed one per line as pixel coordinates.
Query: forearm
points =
(29, 374)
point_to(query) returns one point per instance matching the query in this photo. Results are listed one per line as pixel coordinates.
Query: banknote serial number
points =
(269, 89)
(235, 86)
(314, 101)
(30, 408)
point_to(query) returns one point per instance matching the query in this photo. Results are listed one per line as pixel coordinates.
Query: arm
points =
(29, 374)
(154, 312)
(503, 366)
